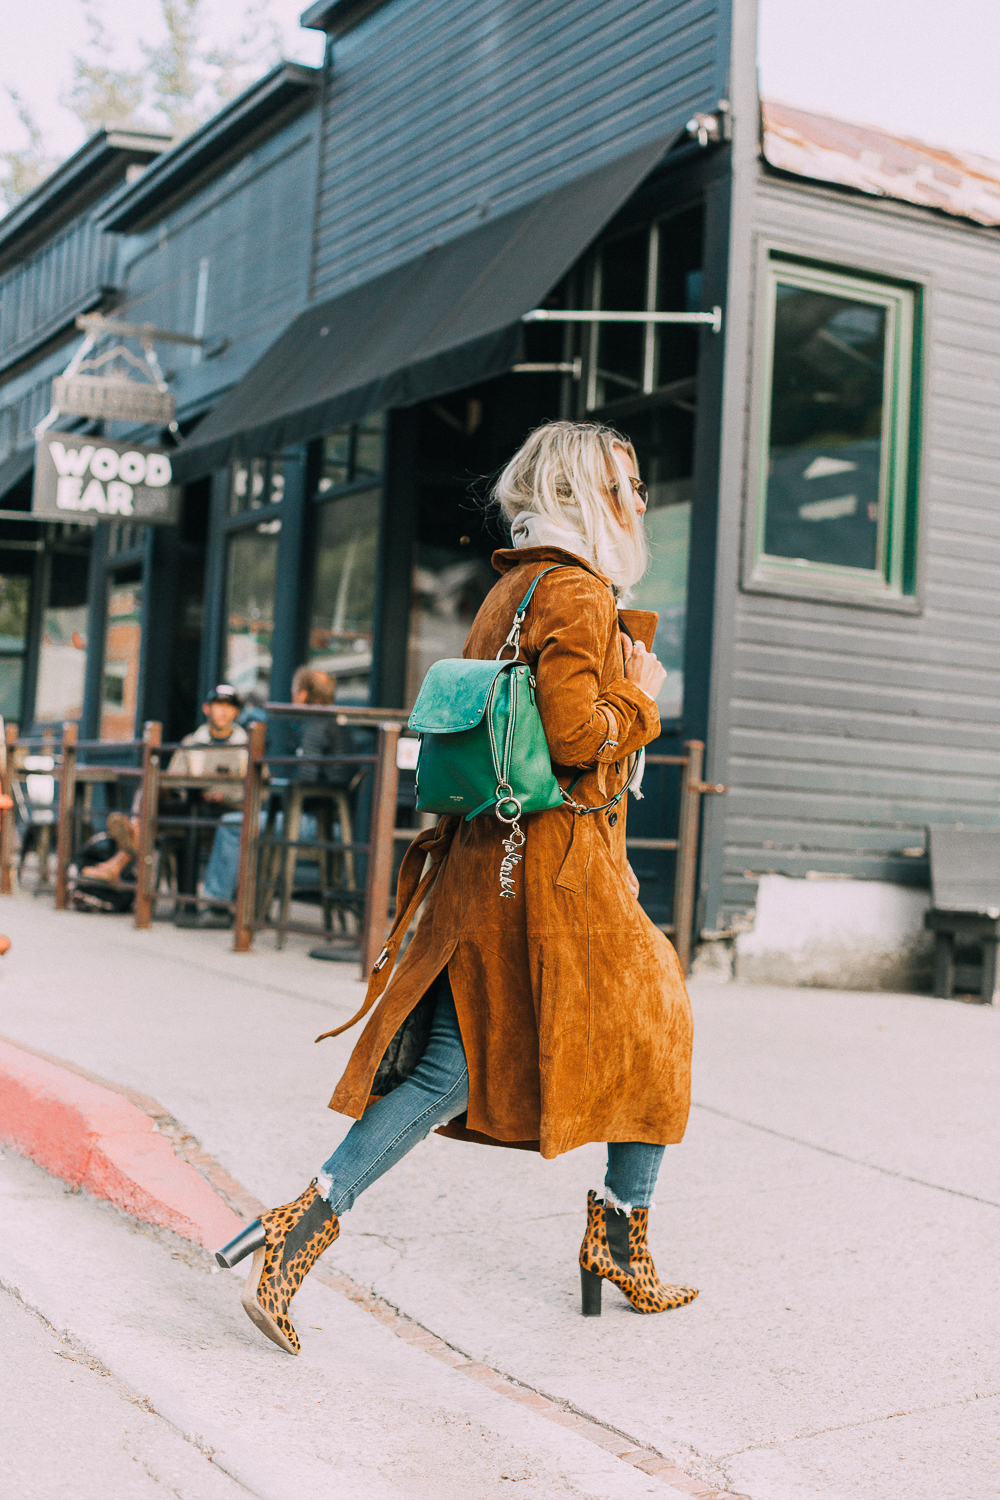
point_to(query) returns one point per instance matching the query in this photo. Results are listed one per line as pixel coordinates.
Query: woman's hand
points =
(631, 881)
(643, 668)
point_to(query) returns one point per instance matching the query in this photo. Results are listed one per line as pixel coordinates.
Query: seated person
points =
(217, 747)
(318, 737)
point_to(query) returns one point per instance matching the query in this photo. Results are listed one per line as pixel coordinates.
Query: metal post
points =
(67, 808)
(246, 880)
(152, 738)
(687, 850)
(7, 819)
(380, 847)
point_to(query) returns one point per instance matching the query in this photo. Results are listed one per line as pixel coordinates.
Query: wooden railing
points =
(692, 789)
(263, 771)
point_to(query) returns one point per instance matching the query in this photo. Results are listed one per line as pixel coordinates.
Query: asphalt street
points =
(836, 1200)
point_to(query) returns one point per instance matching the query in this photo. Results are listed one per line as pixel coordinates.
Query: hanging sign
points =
(90, 479)
(113, 398)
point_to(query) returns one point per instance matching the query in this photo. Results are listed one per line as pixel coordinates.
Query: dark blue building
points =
(357, 249)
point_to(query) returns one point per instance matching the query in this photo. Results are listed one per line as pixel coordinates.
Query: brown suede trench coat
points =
(571, 1003)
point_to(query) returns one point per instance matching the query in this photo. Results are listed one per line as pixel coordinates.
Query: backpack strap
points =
(514, 638)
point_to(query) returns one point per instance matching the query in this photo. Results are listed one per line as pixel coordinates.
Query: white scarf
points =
(528, 529)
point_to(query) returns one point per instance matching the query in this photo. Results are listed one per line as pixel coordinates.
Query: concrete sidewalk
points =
(836, 1201)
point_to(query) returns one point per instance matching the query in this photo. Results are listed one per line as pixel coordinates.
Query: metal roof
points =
(336, 17)
(79, 180)
(887, 166)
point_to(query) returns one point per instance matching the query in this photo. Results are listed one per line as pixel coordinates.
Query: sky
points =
(39, 38)
(912, 67)
(909, 66)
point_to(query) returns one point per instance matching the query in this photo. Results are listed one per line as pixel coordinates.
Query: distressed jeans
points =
(435, 1093)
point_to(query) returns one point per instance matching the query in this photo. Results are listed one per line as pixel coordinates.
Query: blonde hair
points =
(566, 473)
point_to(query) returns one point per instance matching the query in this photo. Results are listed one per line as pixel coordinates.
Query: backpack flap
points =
(454, 695)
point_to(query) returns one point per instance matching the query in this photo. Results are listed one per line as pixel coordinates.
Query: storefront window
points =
(62, 655)
(665, 586)
(340, 635)
(353, 454)
(664, 443)
(250, 579)
(835, 502)
(122, 641)
(15, 593)
(255, 484)
(448, 588)
(652, 269)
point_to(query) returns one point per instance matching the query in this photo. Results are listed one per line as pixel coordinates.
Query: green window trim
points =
(889, 579)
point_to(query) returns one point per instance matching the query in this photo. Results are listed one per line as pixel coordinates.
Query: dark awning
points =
(445, 320)
(14, 467)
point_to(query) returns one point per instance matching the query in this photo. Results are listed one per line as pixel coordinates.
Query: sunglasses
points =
(638, 488)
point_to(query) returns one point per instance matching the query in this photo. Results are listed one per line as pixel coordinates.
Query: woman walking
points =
(554, 1015)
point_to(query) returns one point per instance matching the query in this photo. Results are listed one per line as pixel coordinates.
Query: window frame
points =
(650, 391)
(893, 585)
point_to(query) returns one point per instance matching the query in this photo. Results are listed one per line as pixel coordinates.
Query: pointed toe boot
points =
(614, 1249)
(286, 1243)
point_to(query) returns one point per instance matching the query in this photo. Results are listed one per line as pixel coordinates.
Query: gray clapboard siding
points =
(27, 397)
(850, 729)
(487, 106)
(63, 277)
(872, 727)
(252, 225)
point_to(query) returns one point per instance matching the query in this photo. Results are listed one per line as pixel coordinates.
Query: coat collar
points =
(512, 557)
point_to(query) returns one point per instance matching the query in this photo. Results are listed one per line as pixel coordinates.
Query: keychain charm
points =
(512, 844)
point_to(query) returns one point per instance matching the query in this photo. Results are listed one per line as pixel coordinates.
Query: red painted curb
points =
(96, 1139)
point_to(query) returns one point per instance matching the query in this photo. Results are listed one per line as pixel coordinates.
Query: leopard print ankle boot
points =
(614, 1248)
(295, 1236)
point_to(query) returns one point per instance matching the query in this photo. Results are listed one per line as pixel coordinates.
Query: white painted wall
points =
(846, 934)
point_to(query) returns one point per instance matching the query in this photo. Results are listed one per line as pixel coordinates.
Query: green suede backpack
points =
(482, 745)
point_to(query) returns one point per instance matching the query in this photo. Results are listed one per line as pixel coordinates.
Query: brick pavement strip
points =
(243, 1203)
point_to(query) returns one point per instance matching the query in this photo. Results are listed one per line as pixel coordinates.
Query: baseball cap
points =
(223, 693)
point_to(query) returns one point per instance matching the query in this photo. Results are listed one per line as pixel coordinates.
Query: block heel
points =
(615, 1249)
(249, 1239)
(590, 1286)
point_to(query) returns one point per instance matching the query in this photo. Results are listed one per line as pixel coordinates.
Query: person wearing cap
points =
(217, 747)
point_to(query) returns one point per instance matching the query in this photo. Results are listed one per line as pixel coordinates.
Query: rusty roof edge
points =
(868, 160)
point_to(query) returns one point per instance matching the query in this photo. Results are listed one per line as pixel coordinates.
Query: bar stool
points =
(332, 804)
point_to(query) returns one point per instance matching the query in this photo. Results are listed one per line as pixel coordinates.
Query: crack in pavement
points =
(855, 1161)
(890, 1416)
(257, 984)
(74, 1349)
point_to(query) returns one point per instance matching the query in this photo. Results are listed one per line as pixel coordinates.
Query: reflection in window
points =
(15, 592)
(255, 484)
(62, 655)
(340, 635)
(664, 444)
(250, 578)
(353, 454)
(834, 482)
(448, 588)
(122, 641)
(665, 586)
(653, 269)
